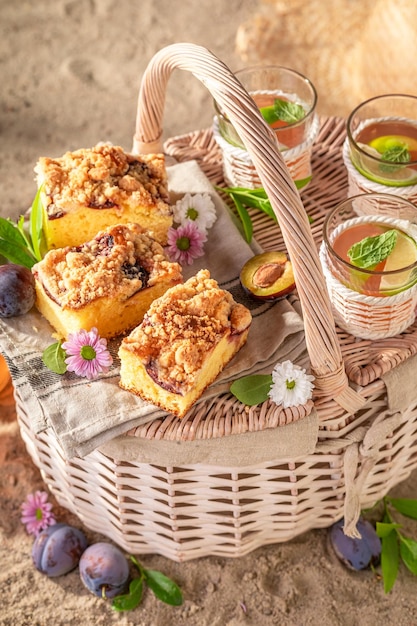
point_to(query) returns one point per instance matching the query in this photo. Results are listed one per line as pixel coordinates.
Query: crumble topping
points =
(102, 177)
(183, 326)
(120, 260)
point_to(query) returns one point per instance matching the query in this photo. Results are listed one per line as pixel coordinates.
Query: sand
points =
(70, 75)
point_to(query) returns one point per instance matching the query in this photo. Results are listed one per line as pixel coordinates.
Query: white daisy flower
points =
(199, 208)
(290, 385)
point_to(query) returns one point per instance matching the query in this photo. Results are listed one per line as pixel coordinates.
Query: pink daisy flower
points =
(185, 243)
(37, 513)
(87, 353)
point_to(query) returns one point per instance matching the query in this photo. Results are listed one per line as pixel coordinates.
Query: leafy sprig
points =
(395, 545)
(21, 245)
(284, 111)
(244, 198)
(163, 587)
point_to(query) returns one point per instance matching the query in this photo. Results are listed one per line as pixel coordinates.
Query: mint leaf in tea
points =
(284, 111)
(372, 250)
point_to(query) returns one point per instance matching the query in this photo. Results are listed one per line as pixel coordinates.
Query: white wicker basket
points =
(363, 446)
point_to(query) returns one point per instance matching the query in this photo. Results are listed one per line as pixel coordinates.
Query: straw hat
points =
(350, 49)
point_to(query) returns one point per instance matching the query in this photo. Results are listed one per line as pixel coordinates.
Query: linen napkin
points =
(85, 414)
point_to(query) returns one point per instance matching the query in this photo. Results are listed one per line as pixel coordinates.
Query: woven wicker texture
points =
(364, 446)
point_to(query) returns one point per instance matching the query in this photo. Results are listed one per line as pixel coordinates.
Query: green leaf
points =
(252, 390)
(408, 551)
(283, 110)
(35, 225)
(15, 254)
(407, 507)
(163, 587)
(14, 244)
(390, 559)
(54, 358)
(384, 529)
(254, 198)
(129, 601)
(136, 563)
(372, 250)
(257, 192)
(21, 223)
(244, 218)
(10, 232)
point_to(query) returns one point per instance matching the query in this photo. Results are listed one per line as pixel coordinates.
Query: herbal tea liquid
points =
(389, 132)
(288, 135)
(392, 146)
(375, 282)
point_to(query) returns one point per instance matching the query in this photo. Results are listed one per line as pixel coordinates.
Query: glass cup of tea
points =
(369, 260)
(371, 244)
(382, 139)
(287, 101)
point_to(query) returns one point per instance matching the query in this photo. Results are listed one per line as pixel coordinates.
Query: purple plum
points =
(17, 290)
(356, 553)
(104, 570)
(57, 549)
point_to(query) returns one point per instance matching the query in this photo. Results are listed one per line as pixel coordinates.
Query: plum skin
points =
(57, 549)
(17, 290)
(104, 570)
(356, 553)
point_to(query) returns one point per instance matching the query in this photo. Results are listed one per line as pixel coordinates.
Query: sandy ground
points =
(70, 72)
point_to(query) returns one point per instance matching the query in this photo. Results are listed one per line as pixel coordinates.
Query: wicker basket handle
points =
(321, 338)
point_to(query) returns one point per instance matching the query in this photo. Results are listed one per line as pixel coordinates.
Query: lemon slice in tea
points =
(403, 255)
(387, 142)
(398, 176)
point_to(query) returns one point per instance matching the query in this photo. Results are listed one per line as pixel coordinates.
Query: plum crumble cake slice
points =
(107, 283)
(85, 191)
(186, 339)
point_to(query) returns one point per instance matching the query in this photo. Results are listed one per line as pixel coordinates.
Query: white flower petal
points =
(198, 207)
(299, 393)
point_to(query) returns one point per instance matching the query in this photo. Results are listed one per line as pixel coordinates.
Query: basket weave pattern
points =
(363, 449)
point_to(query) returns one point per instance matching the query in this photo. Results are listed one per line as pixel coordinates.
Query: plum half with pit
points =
(268, 276)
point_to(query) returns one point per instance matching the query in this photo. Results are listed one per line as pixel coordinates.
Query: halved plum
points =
(268, 276)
